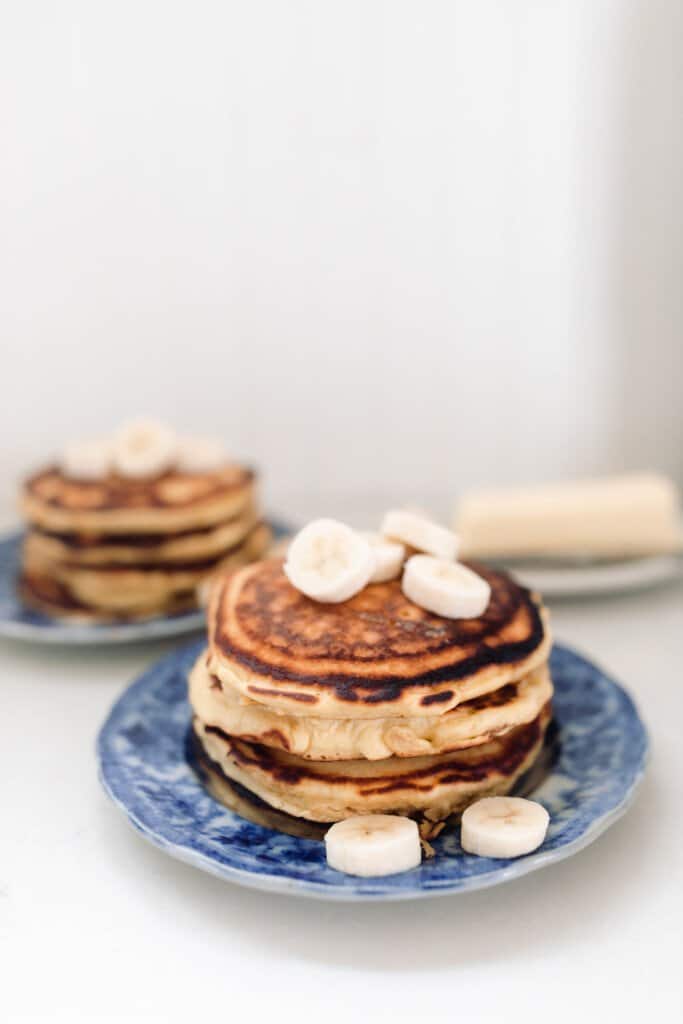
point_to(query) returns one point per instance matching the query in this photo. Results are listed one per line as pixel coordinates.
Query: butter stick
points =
(637, 514)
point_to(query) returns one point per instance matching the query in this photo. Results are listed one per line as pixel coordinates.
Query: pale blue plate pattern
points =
(600, 751)
(21, 623)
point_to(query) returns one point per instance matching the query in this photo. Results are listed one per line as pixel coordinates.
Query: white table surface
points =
(97, 924)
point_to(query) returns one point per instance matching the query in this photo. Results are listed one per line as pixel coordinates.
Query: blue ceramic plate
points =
(598, 758)
(22, 623)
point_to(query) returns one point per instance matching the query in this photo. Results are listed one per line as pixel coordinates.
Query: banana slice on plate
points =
(445, 588)
(503, 826)
(329, 562)
(144, 448)
(87, 460)
(201, 454)
(389, 557)
(420, 533)
(371, 845)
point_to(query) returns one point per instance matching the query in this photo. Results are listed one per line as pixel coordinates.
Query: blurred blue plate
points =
(596, 761)
(19, 622)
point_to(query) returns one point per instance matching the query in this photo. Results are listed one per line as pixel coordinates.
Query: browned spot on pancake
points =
(266, 625)
(45, 590)
(494, 699)
(437, 698)
(276, 737)
(171, 490)
(305, 698)
(396, 784)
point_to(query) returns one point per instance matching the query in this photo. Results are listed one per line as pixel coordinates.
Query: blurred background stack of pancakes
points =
(110, 539)
(371, 705)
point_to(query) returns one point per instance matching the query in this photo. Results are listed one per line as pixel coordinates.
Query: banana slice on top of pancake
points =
(145, 448)
(329, 562)
(416, 531)
(389, 557)
(445, 588)
(87, 460)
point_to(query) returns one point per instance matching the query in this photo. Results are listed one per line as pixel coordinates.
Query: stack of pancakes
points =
(323, 711)
(124, 548)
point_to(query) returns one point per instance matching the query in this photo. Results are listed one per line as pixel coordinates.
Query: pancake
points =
(333, 739)
(88, 549)
(51, 598)
(251, 807)
(129, 590)
(172, 502)
(377, 655)
(433, 787)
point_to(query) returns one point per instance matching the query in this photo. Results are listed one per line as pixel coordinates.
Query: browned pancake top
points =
(171, 490)
(368, 649)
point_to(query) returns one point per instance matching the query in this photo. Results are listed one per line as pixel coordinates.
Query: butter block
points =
(621, 516)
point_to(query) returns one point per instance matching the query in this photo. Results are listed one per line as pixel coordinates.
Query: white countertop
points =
(98, 924)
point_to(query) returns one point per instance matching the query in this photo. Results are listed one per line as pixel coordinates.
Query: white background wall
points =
(388, 249)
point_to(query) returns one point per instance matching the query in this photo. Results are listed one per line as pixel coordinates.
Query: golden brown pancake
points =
(337, 739)
(172, 502)
(433, 787)
(93, 550)
(377, 655)
(47, 596)
(134, 590)
(251, 807)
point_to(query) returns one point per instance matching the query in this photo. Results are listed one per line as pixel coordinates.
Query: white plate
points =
(595, 760)
(599, 578)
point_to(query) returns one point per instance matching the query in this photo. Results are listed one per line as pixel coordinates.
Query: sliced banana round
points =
(503, 826)
(445, 588)
(87, 460)
(200, 454)
(144, 448)
(329, 561)
(420, 533)
(389, 557)
(371, 845)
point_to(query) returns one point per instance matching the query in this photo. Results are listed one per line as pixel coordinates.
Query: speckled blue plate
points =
(599, 755)
(22, 623)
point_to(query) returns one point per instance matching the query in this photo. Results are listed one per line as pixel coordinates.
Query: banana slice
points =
(329, 561)
(503, 826)
(87, 460)
(144, 448)
(420, 533)
(389, 557)
(200, 455)
(445, 588)
(371, 845)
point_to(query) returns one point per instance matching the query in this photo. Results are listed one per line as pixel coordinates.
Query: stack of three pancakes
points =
(305, 712)
(124, 548)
